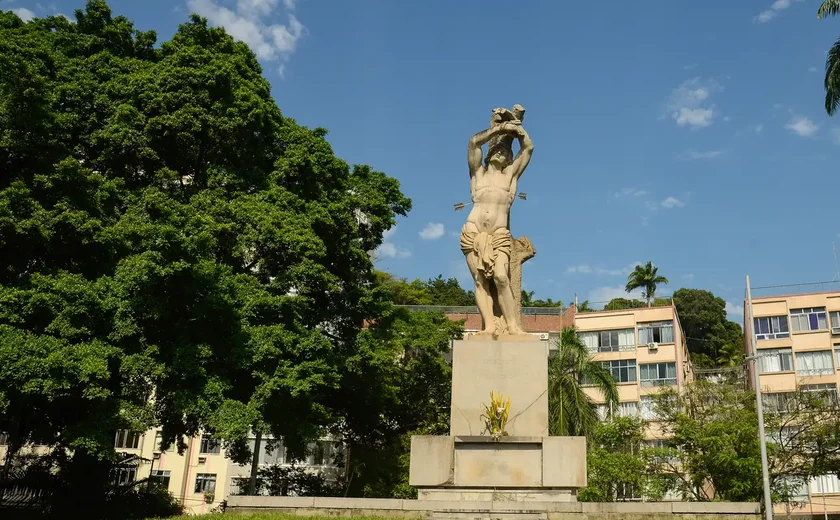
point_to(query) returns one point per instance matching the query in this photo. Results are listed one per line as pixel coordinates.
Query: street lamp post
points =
(768, 502)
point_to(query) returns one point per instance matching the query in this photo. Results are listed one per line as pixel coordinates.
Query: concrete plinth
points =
(516, 369)
(526, 465)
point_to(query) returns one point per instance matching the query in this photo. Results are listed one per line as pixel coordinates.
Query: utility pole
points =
(759, 405)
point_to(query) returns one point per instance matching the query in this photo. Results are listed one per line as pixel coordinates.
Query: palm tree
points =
(527, 298)
(645, 277)
(570, 410)
(832, 60)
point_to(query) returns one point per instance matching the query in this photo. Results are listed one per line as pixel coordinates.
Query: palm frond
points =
(828, 8)
(832, 78)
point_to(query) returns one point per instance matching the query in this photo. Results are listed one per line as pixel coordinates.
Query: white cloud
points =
(432, 231)
(688, 277)
(735, 310)
(768, 14)
(630, 192)
(727, 119)
(690, 67)
(709, 154)
(813, 69)
(836, 135)
(688, 104)
(247, 21)
(388, 249)
(602, 295)
(24, 13)
(672, 202)
(600, 271)
(802, 126)
(758, 128)
(583, 269)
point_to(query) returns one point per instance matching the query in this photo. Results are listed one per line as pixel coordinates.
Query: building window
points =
(209, 445)
(771, 327)
(656, 332)
(775, 402)
(623, 371)
(125, 475)
(321, 453)
(272, 452)
(629, 409)
(602, 411)
(809, 318)
(648, 407)
(814, 363)
(609, 340)
(127, 440)
(826, 392)
(658, 374)
(834, 318)
(158, 440)
(825, 484)
(775, 360)
(837, 354)
(205, 483)
(4, 439)
(161, 477)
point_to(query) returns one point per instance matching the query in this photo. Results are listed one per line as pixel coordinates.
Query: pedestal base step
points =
(457, 494)
(484, 515)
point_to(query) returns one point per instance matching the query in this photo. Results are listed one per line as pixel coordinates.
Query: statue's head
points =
(499, 152)
(499, 149)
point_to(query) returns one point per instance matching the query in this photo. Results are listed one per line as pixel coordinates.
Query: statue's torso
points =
(492, 197)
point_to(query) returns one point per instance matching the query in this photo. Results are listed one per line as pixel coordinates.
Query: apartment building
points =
(645, 350)
(203, 476)
(798, 348)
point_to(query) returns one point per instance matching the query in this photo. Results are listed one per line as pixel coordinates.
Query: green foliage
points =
(397, 383)
(616, 463)
(435, 291)
(714, 440)
(529, 301)
(832, 61)
(645, 277)
(290, 480)
(570, 409)
(166, 232)
(712, 339)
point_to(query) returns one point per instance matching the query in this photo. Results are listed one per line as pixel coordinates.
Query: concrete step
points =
(485, 515)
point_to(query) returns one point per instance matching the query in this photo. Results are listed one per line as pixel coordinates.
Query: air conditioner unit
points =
(544, 335)
(653, 347)
(835, 330)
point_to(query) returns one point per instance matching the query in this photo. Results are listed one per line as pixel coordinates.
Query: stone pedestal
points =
(526, 465)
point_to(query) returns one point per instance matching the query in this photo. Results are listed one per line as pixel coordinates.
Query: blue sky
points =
(691, 134)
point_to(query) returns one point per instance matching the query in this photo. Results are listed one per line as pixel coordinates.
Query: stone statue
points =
(486, 239)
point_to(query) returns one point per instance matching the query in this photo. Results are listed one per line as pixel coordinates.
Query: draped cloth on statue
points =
(486, 248)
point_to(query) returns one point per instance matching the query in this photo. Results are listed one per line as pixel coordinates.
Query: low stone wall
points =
(430, 509)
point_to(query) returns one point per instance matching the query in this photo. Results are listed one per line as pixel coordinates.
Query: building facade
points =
(645, 350)
(798, 348)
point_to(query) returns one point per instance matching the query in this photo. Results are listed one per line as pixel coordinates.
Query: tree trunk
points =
(255, 465)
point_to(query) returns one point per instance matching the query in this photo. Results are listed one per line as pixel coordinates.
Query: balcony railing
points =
(671, 381)
(815, 371)
(613, 348)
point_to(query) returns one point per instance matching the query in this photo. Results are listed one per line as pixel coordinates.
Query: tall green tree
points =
(571, 411)
(713, 452)
(712, 339)
(645, 277)
(167, 232)
(616, 463)
(832, 60)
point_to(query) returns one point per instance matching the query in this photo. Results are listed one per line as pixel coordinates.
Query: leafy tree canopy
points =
(711, 338)
(434, 291)
(167, 232)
